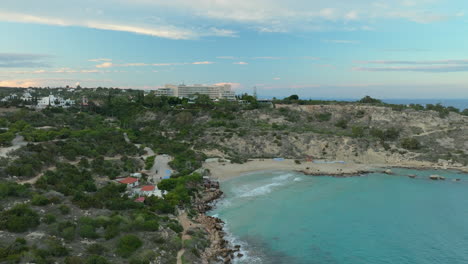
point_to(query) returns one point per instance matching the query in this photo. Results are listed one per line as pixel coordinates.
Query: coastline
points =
(223, 171)
(221, 249)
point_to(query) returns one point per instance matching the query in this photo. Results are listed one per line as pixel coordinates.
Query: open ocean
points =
(287, 217)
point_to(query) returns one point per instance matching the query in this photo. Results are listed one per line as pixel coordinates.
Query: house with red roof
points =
(140, 199)
(129, 181)
(148, 190)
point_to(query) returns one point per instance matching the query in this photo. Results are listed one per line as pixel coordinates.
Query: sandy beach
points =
(226, 170)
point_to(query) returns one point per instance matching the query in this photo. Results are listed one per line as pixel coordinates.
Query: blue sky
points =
(314, 48)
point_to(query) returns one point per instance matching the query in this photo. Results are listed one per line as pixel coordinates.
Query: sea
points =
(287, 217)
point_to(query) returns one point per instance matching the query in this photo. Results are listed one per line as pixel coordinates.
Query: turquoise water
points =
(287, 217)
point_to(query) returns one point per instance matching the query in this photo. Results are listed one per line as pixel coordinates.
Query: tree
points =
(369, 100)
(410, 143)
(127, 245)
(293, 97)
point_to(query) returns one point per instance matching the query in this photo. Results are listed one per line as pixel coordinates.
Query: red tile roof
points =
(140, 199)
(128, 180)
(147, 188)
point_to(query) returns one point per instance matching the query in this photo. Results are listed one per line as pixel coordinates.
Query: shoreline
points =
(223, 171)
(223, 250)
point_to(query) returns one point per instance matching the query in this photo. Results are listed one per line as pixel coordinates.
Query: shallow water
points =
(287, 217)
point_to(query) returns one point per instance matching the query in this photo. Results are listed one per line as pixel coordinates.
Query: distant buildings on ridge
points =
(190, 91)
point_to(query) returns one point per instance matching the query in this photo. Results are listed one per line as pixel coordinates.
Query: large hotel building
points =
(187, 91)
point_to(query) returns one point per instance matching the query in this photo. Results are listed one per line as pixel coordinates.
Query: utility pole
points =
(255, 92)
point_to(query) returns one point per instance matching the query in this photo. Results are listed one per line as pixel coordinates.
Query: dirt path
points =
(435, 131)
(16, 143)
(186, 224)
(34, 180)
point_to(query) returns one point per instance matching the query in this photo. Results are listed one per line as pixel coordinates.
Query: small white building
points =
(129, 181)
(54, 101)
(148, 190)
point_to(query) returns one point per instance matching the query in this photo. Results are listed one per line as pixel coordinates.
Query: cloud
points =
(18, 83)
(226, 57)
(162, 31)
(22, 60)
(193, 19)
(431, 69)
(341, 41)
(105, 65)
(277, 78)
(100, 60)
(415, 66)
(234, 85)
(241, 63)
(428, 62)
(202, 62)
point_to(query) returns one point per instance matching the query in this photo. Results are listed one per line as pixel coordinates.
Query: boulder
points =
(434, 177)
(412, 176)
(388, 171)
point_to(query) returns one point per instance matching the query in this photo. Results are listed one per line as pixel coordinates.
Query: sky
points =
(313, 48)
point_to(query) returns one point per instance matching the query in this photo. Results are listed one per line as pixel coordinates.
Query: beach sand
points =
(225, 170)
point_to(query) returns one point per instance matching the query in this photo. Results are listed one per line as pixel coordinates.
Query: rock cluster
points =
(220, 250)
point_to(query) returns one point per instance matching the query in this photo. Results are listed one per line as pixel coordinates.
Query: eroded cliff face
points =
(298, 131)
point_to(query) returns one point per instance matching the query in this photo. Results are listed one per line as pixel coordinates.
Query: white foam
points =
(233, 240)
(247, 191)
(297, 179)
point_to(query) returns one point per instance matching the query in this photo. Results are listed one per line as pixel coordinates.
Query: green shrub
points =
(111, 231)
(323, 117)
(149, 162)
(342, 123)
(39, 200)
(176, 227)
(95, 259)
(88, 231)
(357, 131)
(410, 143)
(49, 219)
(19, 219)
(96, 249)
(13, 189)
(127, 245)
(64, 209)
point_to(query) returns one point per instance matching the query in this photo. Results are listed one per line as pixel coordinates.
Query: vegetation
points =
(81, 150)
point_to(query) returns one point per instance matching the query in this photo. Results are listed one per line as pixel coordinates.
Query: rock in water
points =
(388, 171)
(434, 177)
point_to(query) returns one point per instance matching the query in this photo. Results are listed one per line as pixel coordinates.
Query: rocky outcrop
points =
(220, 250)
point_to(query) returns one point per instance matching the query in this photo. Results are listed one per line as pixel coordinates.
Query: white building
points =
(27, 97)
(148, 190)
(190, 91)
(54, 101)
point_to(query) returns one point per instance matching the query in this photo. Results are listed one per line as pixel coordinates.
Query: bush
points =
(410, 143)
(94, 259)
(49, 219)
(19, 219)
(88, 231)
(127, 245)
(357, 132)
(176, 227)
(39, 200)
(96, 249)
(149, 162)
(342, 123)
(64, 209)
(13, 189)
(324, 117)
(111, 231)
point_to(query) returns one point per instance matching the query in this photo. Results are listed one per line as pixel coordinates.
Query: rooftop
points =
(128, 180)
(147, 188)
